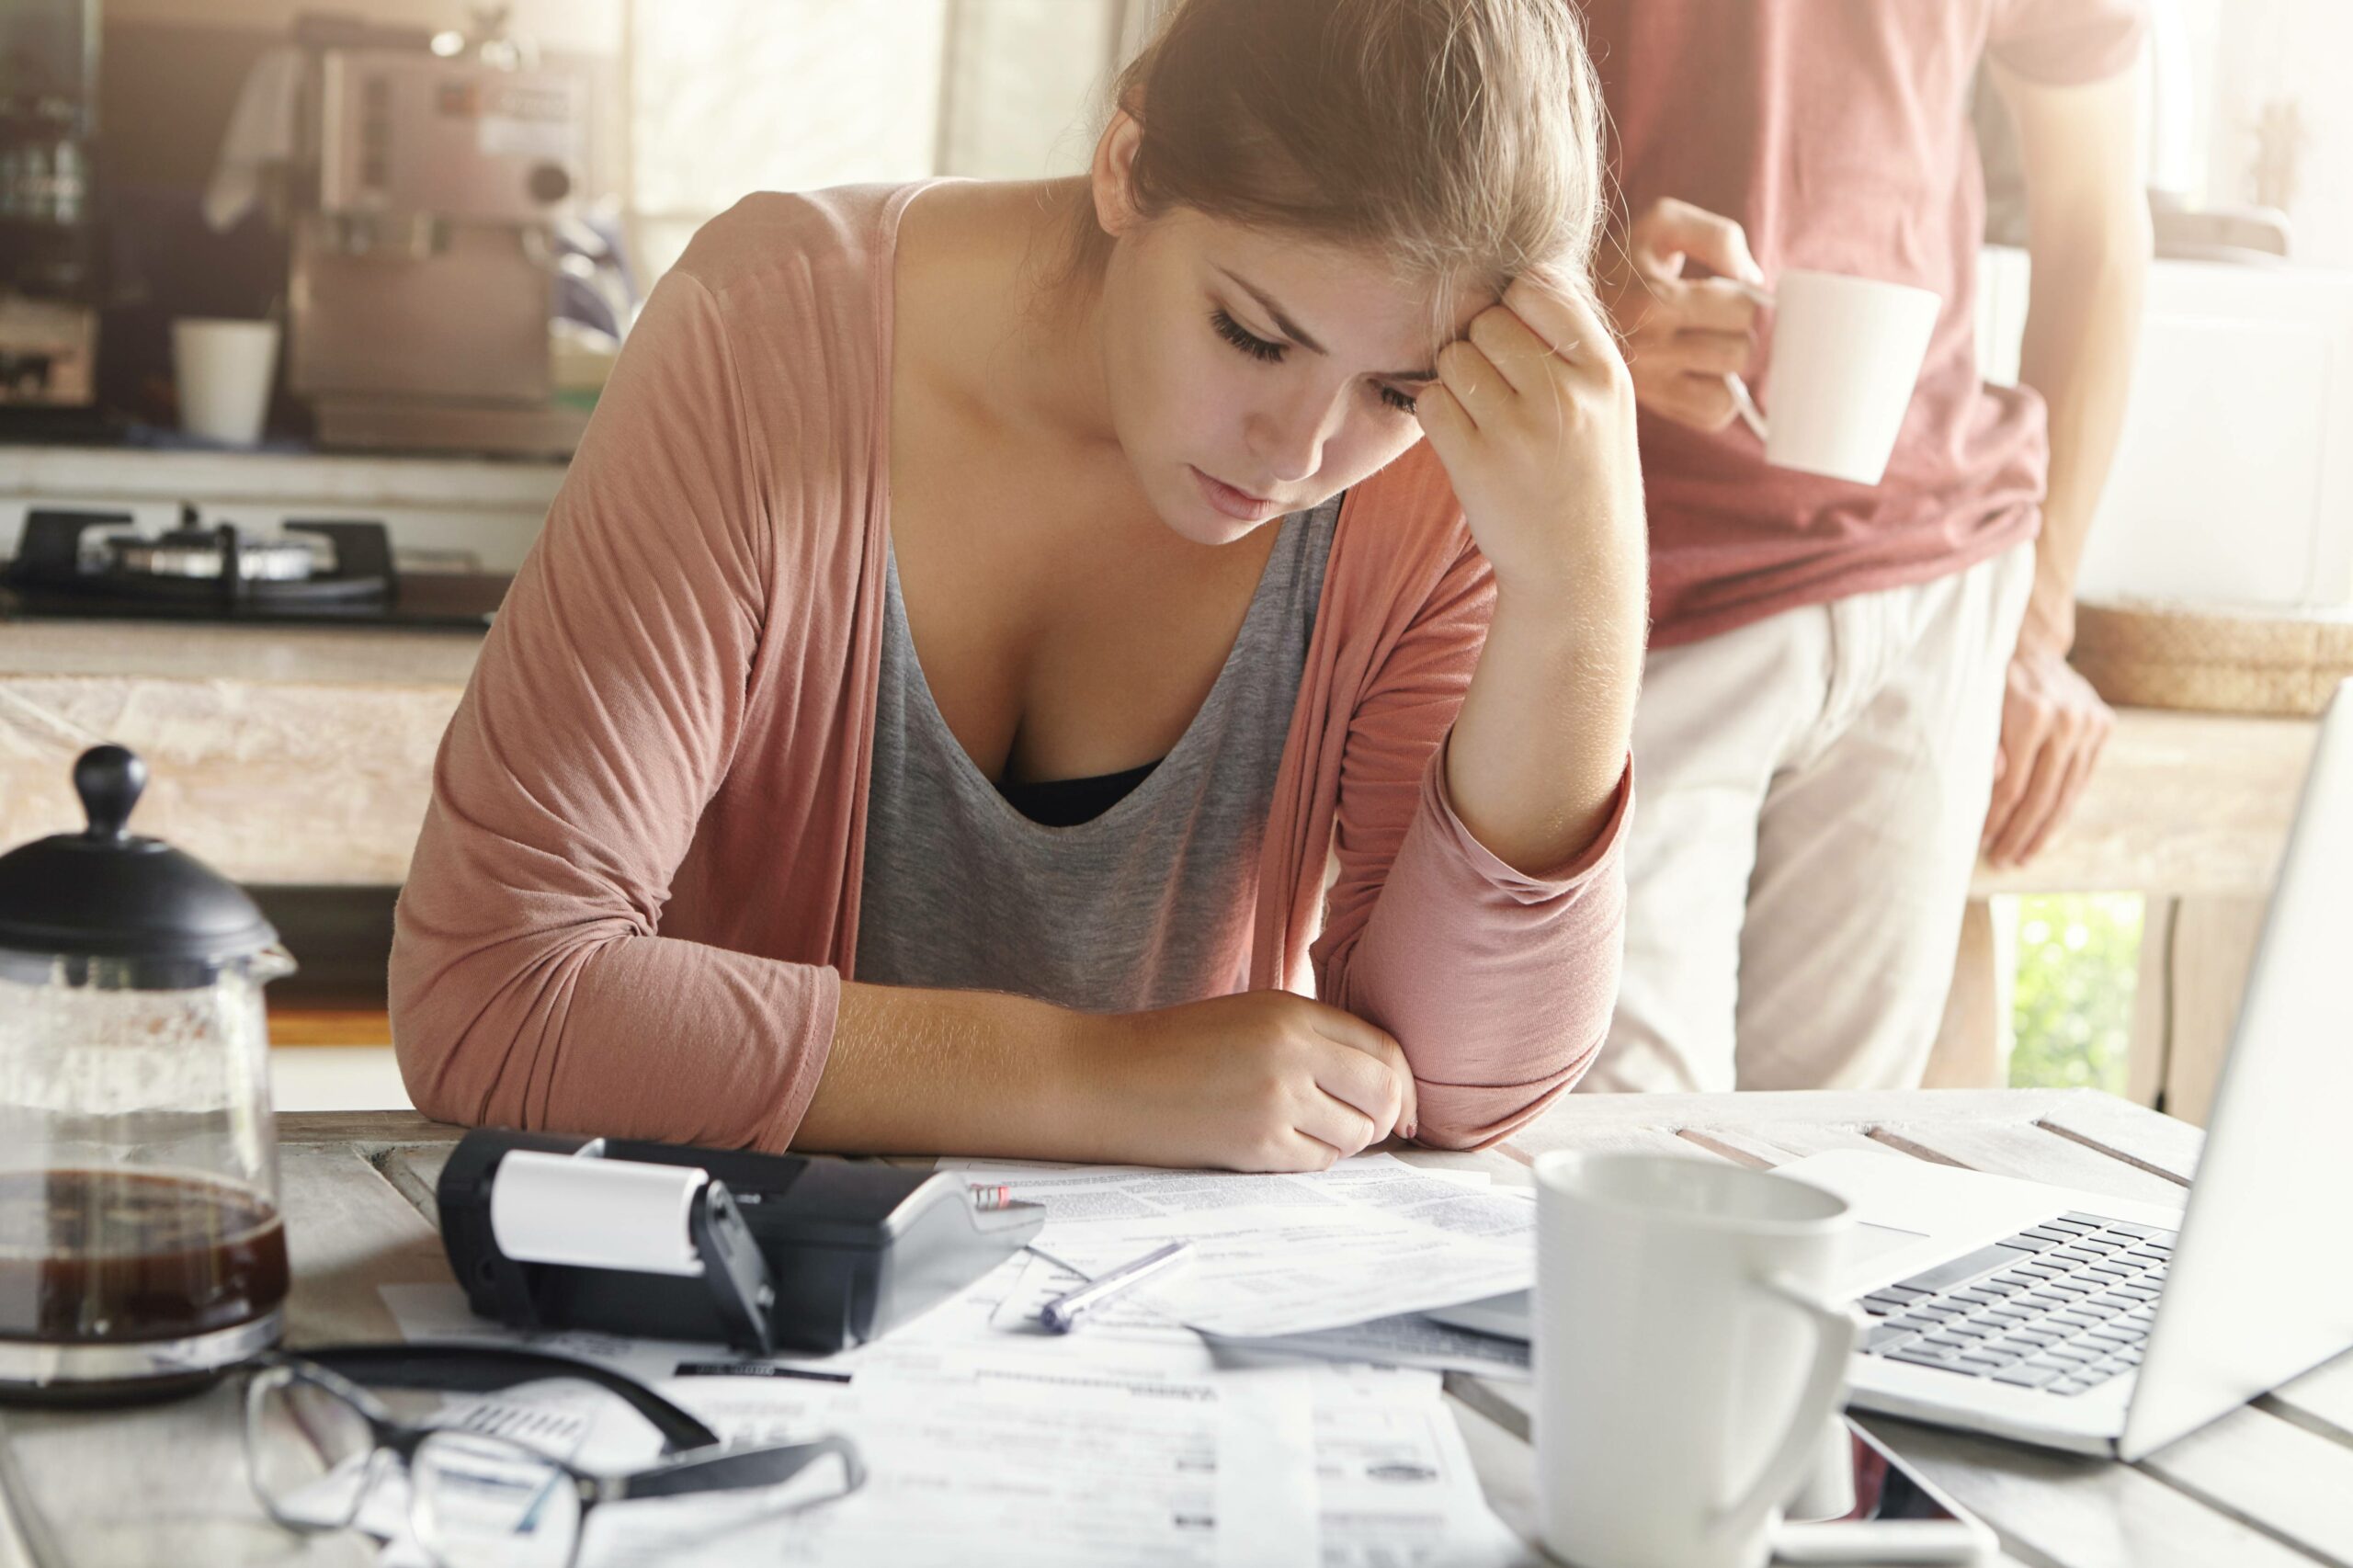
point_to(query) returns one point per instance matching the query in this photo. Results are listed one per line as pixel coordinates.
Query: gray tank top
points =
(1145, 905)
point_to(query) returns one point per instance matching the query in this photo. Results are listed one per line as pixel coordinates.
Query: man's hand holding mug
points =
(1683, 336)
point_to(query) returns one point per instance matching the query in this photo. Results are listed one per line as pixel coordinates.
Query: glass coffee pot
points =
(141, 1251)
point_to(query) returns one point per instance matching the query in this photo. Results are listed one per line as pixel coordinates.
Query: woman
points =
(915, 729)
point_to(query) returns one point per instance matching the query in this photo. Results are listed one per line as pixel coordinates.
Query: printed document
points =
(1408, 1339)
(1278, 1255)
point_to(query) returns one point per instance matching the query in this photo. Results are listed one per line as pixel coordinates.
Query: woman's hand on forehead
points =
(1533, 416)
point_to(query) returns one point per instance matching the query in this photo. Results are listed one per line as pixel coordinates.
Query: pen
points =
(1062, 1314)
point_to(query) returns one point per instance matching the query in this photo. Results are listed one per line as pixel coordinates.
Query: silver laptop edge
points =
(2261, 1287)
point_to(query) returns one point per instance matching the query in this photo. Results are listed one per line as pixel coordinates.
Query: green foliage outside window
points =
(2078, 957)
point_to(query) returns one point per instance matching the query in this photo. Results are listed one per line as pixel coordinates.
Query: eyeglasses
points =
(317, 1445)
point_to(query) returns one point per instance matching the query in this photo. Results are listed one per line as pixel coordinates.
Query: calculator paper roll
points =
(595, 1213)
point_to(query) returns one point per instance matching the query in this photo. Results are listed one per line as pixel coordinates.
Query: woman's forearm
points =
(1540, 746)
(915, 1071)
(1261, 1080)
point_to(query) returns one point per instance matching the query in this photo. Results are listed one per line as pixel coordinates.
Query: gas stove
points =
(85, 565)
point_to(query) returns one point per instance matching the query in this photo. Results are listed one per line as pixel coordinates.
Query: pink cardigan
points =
(635, 895)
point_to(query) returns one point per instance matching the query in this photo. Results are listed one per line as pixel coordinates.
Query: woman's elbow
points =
(428, 1058)
(1479, 1116)
(1468, 1117)
(1441, 1135)
(438, 1041)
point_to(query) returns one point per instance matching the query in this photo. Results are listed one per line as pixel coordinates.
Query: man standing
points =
(1852, 689)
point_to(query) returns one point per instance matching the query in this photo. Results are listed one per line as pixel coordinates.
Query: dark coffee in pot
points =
(107, 1257)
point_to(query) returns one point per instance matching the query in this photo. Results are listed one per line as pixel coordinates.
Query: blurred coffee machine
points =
(49, 244)
(430, 174)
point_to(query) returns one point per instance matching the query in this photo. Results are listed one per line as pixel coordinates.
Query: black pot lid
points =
(106, 892)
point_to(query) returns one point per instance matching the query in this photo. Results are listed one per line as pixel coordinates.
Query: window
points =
(728, 97)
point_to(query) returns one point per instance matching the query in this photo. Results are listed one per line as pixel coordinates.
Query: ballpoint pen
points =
(1062, 1314)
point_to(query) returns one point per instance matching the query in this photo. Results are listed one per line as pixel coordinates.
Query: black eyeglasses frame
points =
(696, 1460)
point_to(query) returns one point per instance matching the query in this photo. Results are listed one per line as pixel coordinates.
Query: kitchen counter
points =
(490, 508)
(280, 755)
(304, 655)
(302, 755)
(34, 472)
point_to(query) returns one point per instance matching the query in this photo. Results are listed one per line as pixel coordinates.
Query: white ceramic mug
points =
(1686, 1355)
(1846, 354)
(224, 370)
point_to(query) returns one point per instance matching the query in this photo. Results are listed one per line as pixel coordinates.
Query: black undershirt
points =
(1066, 802)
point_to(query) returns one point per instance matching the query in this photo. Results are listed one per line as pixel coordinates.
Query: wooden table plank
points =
(2025, 1149)
(350, 1234)
(414, 1170)
(2266, 1471)
(2065, 1510)
(2122, 1131)
(1721, 1124)
(368, 1128)
(1543, 1136)
(27, 1540)
(1768, 1143)
(2108, 1128)
(163, 1489)
(2322, 1400)
(1506, 1468)
(1820, 1107)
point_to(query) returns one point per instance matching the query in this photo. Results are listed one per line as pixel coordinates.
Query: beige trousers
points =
(1813, 788)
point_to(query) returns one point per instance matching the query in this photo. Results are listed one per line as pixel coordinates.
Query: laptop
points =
(2082, 1321)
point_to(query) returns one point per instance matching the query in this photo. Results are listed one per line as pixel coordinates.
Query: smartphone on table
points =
(1898, 1516)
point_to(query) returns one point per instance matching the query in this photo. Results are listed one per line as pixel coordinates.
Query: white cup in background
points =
(1846, 354)
(1686, 1356)
(224, 370)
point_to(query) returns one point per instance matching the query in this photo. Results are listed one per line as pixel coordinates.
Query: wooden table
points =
(2263, 1486)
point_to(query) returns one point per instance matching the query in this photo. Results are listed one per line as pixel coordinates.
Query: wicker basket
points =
(2222, 658)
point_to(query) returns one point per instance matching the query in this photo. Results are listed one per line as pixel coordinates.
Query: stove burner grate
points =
(49, 562)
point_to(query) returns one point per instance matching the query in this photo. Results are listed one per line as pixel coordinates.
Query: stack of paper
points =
(1282, 1255)
(1223, 1417)
(1407, 1339)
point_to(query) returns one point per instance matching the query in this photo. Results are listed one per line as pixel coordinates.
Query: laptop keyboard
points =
(2063, 1306)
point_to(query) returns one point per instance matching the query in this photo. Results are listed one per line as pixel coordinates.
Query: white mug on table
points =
(1846, 354)
(1686, 1356)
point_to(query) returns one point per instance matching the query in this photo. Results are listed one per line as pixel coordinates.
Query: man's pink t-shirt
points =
(1837, 133)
